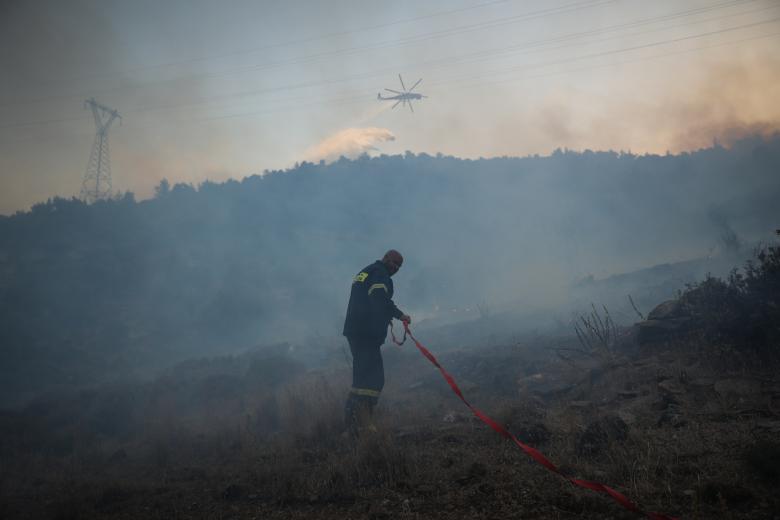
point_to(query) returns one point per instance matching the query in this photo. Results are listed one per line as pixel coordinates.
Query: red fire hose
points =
(532, 452)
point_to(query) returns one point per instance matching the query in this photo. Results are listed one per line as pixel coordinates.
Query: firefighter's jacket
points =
(371, 304)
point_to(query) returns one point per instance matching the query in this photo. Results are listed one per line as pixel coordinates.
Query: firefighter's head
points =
(393, 261)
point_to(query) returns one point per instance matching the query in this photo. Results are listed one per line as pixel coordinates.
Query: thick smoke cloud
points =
(724, 101)
(729, 101)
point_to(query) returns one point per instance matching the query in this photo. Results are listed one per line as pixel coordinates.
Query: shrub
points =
(742, 311)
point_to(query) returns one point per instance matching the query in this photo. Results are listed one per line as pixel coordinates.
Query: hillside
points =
(109, 291)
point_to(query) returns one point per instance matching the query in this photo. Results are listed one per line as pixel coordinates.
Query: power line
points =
(615, 64)
(450, 60)
(515, 49)
(492, 52)
(338, 52)
(626, 49)
(448, 82)
(301, 40)
(362, 98)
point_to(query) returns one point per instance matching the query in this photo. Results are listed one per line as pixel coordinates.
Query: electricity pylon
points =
(97, 179)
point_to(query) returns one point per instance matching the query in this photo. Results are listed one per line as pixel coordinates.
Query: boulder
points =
(737, 388)
(666, 310)
(657, 331)
(664, 322)
(534, 433)
(672, 416)
(546, 386)
(670, 387)
(599, 433)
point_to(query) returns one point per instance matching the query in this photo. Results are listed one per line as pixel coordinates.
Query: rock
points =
(582, 405)
(426, 489)
(703, 381)
(671, 387)
(713, 492)
(769, 426)
(657, 331)
(118, 456)
(451, 439)
(600, 433)
(476, 471)
(454, 417)
(233, 492)
(763, 459)
(772, 388)
(545, 386)
(666, 310)
(664, 322)
(536, 433)
(737, 388)
(673, 417)
(111, 496)
(627, 417)
(467, 386)
(664, 402)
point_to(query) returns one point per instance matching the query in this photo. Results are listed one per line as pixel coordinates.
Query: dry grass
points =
(277, 450)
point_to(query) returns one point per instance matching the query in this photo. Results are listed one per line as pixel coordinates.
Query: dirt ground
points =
(674, 434)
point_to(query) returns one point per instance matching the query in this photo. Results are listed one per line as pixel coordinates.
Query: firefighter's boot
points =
(357, 414)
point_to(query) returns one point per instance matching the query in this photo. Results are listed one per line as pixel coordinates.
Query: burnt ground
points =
(235, 439)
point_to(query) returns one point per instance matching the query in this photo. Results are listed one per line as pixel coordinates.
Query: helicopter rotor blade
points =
(393, 91)
(396, 103)
(402, 83)
(418, 82)
(410, 106)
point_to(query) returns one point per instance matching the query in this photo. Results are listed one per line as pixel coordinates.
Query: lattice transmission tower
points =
(97, 179)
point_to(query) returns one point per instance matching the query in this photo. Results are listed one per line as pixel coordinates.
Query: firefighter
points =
(369, 312)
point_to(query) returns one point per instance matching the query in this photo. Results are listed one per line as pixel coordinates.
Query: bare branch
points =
(596, 333)
(641, 316)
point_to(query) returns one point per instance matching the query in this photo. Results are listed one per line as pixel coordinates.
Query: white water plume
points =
(350, 142)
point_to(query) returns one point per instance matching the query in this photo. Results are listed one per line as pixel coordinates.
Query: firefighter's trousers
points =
(368, 379)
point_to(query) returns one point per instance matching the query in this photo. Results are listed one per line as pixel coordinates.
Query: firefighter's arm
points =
(399, 314)
(379, 299)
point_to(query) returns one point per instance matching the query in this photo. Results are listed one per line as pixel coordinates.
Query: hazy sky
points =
(218, 90)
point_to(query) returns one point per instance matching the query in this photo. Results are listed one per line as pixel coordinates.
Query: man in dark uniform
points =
(369, 312)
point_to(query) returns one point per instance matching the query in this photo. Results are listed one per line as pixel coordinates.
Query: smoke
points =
(685, 108)
(724, 102)
(350, 142)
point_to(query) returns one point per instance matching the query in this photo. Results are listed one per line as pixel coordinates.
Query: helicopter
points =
(405, 96)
